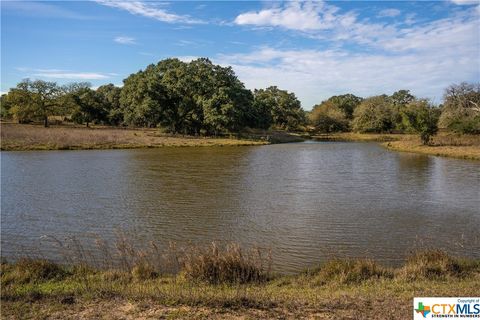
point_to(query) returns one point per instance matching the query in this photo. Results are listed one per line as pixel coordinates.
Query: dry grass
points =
(444, 144)
(15, 137)
(229, 264)
(354, 136)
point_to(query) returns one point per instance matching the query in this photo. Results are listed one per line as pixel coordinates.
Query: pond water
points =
(304, 201)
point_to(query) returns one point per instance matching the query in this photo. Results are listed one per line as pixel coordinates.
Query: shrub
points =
(373, 115)
(420, 117)
(327, 117)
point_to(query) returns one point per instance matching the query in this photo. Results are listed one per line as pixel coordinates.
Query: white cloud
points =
(148, 10)
(323, 21)
(389, 13)
(64, 74)
(73, 75)
(302, 16)
(319, 20)
(124, 40)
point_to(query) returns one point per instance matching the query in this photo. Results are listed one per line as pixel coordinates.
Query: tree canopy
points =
(285, 109)
(34, 100)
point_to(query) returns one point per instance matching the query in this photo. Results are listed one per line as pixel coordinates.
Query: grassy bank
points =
(360, 289)
(443, 144)
(16, 137)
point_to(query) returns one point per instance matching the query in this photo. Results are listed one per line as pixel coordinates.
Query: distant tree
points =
(89, 107)
(374, 114)
(327, 117)
(402, 98)
(261, 113)
(286, 110)
(461, 108)
(35, 100)
(187, 97)
(421, 117)
(110, 96)
(228, 105)
(346, 102)
(143, 96)
(5, 106)
(399, 100)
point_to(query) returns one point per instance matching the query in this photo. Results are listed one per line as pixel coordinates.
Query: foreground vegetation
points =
(231, 283)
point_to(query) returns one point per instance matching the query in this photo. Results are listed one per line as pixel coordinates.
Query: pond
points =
(304, 201)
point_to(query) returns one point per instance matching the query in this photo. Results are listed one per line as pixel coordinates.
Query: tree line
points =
(189, 98)
(202, 98)
(401, 112)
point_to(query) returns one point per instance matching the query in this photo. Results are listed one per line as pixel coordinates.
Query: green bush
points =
(373, 115)
(327, 117)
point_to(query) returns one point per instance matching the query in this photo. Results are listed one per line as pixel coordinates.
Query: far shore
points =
(444, 144)
(23, 137)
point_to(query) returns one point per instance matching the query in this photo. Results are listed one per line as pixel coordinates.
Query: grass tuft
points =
(435, 264)
(350, 271)
(226, 265)
(32, 271)
(144, 271)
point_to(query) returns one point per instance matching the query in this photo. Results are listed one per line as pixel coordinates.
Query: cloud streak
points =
(390, 13)
(124, 40)
(65, 74)
(149, 10)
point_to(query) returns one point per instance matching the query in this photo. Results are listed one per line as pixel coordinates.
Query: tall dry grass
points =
(213, 264)
(35, 137)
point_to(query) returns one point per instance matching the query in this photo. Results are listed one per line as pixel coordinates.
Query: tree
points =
(327, 117)
(35, 99)
(90, 107)
(5, 106)
(346, 102)
(421, 117)
(402, 98)
(461, 108)
(374, 114)
(144, 97)
(227, 106)
(110, 96)
(285, 108)
(399, 100)
(187, 97)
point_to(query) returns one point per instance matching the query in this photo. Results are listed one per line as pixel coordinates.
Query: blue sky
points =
(315, 49)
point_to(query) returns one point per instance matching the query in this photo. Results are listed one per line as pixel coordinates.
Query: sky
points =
(315, 49)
